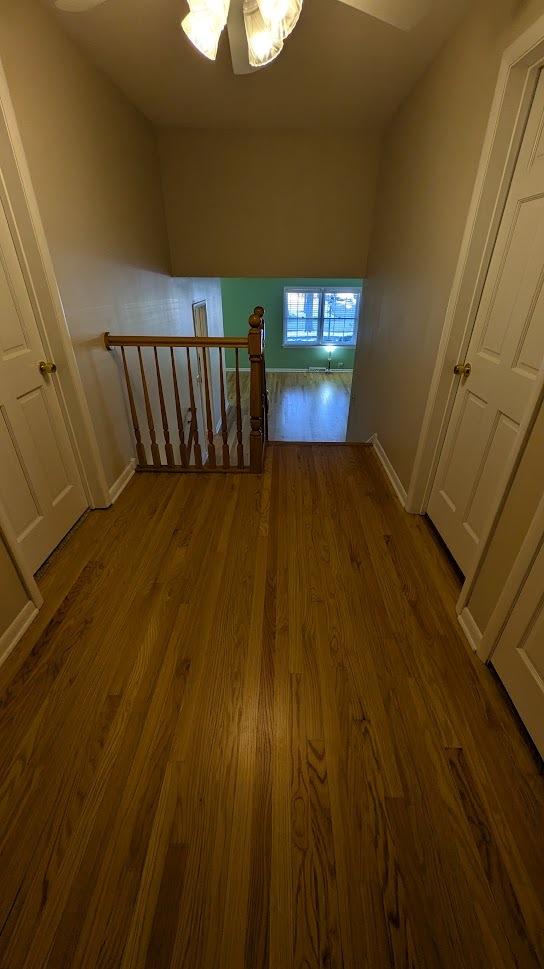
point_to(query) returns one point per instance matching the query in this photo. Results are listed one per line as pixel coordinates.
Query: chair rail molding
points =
(514, 92)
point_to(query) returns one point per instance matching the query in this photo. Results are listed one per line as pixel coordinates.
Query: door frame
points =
(516, 84)
(513, 586)
(200, 304)
(37, 266)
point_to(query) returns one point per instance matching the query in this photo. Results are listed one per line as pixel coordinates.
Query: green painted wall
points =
(239, 296)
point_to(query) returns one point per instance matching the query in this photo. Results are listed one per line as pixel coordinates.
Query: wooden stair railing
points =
(189, 392)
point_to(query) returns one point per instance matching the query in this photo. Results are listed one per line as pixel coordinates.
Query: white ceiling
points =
(339, 69)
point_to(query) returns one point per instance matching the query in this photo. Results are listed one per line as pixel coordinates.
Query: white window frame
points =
(321, 342)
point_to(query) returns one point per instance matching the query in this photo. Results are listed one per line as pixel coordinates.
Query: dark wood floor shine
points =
(246, 732)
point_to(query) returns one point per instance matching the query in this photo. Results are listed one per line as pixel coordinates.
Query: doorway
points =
(41, 491)
(501, 368)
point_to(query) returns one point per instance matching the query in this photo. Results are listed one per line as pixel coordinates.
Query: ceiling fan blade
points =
(403, 14)
(77, 6)
(238, 40)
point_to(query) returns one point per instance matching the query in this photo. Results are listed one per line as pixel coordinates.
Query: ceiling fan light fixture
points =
(264, 39)
(282, 14)
(203, 30)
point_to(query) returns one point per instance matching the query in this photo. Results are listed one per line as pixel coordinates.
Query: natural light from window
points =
(317, 317)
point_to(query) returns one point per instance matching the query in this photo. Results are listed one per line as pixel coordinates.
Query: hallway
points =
(246, 732)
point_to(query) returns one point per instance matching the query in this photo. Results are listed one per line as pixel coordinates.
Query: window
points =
(316, 317)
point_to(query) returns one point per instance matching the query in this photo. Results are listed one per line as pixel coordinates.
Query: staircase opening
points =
(310, 336)
(188, 413)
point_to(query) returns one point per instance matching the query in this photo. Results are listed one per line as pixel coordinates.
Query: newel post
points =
(256, 390)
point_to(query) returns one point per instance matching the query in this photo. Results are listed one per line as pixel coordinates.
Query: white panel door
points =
(40, 488)
(505, 352)
(519, 656)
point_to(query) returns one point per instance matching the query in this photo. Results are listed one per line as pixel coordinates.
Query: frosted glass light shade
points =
(203, 30)
(264, 39)
(282, 14)
(218, 9)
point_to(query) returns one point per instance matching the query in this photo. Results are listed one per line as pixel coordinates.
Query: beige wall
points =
(94, 165)
(13, 595)
(430, 158)
(520, 507)
(268, 203)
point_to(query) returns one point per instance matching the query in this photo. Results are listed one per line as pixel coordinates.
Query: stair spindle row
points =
(163, 393)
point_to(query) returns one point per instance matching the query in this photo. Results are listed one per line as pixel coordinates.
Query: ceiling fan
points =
(257, 29)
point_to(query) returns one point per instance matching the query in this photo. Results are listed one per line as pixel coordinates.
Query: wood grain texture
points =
(246, 733)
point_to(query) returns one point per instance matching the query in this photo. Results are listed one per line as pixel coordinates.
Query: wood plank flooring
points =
(246, 733)
(303, 407)
(309, 406)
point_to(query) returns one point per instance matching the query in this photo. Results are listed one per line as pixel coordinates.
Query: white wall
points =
(94, 166)
(269, 203)
(430, 158)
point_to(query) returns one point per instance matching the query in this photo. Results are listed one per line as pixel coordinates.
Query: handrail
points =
(168, 398)
(228, 342)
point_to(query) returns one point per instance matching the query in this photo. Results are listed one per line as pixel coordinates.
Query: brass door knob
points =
(47, 367)
(463, 368)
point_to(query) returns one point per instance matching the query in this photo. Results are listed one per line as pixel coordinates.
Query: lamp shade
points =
(264, 39)
(203, 30)
(281, 14)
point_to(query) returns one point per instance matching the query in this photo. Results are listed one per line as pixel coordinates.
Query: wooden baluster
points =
(224, 428)
(166, 431)
(194, 417)
(155, 453)
(239, 414)
(182, 448)
(209, 419)
(140, 449)
(255, 351)
(265, 401)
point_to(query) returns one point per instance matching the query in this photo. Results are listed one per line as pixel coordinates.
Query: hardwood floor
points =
(309, 406)
(245, 732)
(303, 407)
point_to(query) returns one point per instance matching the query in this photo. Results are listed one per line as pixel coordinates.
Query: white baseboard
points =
(470, 628)
(294, 370)
(122, 481)
(396, 483)
(19, 626)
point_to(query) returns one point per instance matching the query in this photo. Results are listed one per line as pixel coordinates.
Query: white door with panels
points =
(40, 488)
(505, 354)
(519, 656)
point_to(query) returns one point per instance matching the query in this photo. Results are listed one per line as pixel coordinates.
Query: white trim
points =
(516, 84)
(122, 481)
(293, 370)
(470, 628)
(394, 479)
(14, 632)
(512, 587)
(514, 91)
(51, 318)
(507, 478)
(320, 342)
(21, 567)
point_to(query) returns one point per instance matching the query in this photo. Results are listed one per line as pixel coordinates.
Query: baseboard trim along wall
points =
(296, 370)
(396, 483)
(19, 626)
(123, 480)
(470, 628)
